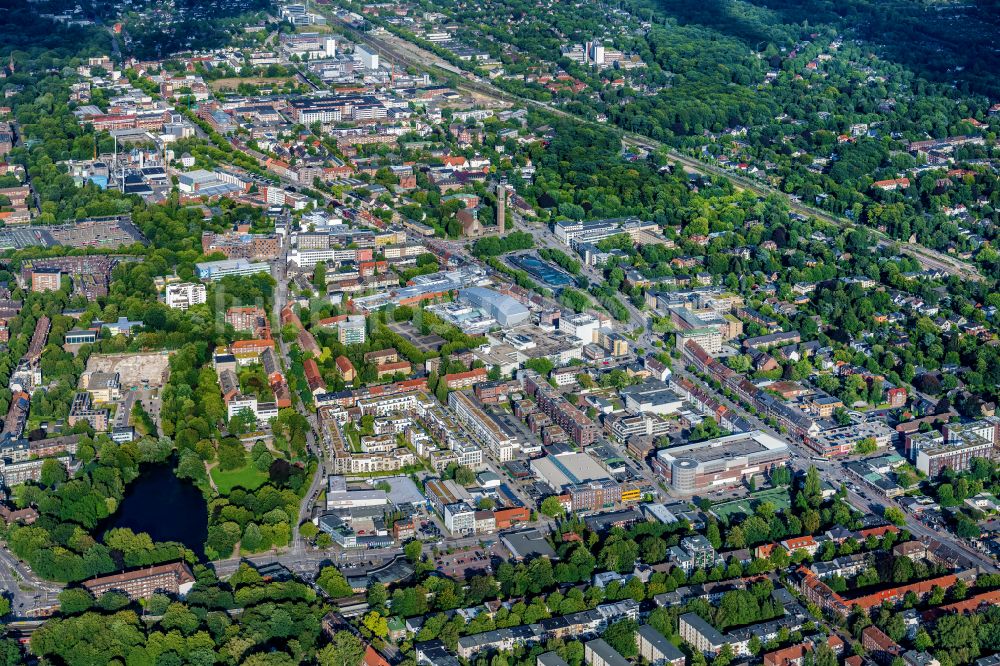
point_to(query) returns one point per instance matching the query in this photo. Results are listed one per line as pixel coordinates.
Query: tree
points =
(825, 655)
(866, 446)
(413, 551)
(621, 636)
(377, 596)
(332, 581)
(464, 476)
(75, 600)
(376, 624)
(735, 537)
(894, 515)
(713, 535)
(232, 455)
(308, 530)
(345, 649)
(552, 507)
(52, 473)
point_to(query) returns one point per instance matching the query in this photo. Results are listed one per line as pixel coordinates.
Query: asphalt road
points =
(28, 594)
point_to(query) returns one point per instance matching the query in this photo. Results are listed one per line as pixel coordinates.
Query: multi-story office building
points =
(215, 270)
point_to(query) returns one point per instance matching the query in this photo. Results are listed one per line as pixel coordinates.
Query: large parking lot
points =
(465, 563)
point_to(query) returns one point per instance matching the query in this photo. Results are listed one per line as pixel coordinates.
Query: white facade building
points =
(184, 295)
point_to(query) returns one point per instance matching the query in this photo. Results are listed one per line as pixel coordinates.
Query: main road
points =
(280, 274)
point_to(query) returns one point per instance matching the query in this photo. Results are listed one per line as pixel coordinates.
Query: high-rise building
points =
(352, 331)
(46, 279)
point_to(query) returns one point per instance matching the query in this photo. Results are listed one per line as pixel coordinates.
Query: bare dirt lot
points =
(149, 370)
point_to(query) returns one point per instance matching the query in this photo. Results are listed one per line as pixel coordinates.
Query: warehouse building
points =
(506, 310)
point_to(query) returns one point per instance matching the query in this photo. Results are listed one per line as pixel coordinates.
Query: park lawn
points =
(246, 477)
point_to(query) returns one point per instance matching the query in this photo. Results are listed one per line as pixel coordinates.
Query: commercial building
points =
(527, 543)
(460, 518)
(102, 386)
(651, 396)
(955, 447)
(583, 326)
(567, 469)
(841, 441)
(184, 295)
(339, 497)
(708, 338)
(721, 462)
(598, 495)
(628, 428)
(571, 232)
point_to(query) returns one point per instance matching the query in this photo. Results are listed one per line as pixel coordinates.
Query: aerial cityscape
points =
(500, 333)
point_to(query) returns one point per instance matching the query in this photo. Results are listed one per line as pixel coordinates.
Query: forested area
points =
(244, 620)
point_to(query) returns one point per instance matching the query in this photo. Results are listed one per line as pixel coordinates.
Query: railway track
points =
(407, 53)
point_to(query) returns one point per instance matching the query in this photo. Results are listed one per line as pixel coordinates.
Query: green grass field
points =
(246, 477)
(777, 496)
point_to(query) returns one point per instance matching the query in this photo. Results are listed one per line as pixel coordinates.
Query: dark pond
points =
(165, 507)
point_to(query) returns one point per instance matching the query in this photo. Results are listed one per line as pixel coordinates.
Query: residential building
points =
(502, 442)
(655, 648)
(352, 330)
(46, 279)
(694, 552)
(175, 578)
(700, 634)
(184, 295)
(598, 653)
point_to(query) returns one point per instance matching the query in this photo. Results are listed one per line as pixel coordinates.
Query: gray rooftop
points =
(608, 654)
(662, 645)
